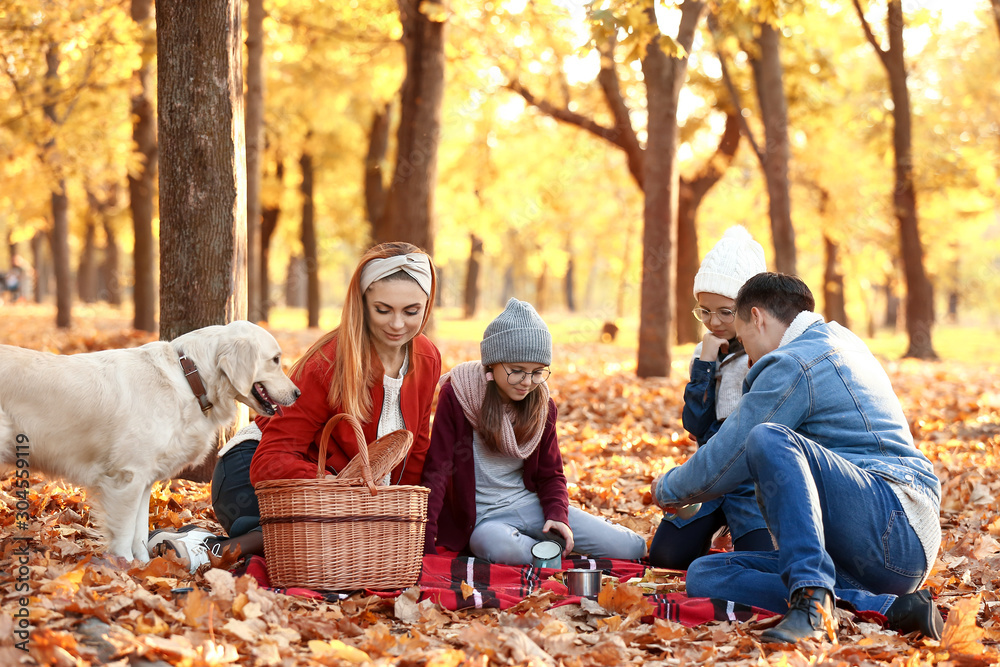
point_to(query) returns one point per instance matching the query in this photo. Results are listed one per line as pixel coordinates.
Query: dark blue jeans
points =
(233, 497)
(837, 527)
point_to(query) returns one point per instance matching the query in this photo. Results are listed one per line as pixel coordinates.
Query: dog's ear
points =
(238, 362)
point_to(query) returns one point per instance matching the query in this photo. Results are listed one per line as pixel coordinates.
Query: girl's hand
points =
(712, 346)
(564, 531)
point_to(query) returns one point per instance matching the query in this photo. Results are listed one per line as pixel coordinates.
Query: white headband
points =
(417, 265)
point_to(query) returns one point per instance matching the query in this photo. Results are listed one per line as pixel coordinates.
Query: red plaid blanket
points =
(491, 586)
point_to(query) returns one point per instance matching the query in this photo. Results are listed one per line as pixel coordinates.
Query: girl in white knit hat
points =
(494, 467)
(718, 367)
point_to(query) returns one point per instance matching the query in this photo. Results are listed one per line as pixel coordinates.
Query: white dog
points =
(116, 421)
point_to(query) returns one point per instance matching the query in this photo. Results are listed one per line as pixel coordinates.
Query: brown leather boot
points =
(805, 618)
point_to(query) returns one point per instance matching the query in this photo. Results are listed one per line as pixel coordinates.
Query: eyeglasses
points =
(724, 314)
(517, 377)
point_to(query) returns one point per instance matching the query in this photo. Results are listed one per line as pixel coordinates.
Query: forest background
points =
(533, 188)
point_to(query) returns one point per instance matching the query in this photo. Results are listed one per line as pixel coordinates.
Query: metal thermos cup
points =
(547, 553)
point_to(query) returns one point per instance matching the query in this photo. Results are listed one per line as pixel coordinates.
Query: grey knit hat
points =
(517, 334)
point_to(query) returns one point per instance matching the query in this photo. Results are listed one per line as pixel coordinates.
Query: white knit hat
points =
(735, 259)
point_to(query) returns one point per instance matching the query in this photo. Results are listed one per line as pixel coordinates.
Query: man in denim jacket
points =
(851, 503)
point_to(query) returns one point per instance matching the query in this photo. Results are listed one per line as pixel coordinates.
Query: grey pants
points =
(507, 536)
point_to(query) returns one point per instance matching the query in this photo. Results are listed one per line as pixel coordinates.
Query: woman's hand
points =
(564, 531)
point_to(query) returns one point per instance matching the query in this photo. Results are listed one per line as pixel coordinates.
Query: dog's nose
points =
(296, 394)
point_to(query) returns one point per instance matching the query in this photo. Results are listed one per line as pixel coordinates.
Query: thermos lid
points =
(546, 550)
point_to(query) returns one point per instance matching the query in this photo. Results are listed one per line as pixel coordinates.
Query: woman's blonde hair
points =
(352, 379)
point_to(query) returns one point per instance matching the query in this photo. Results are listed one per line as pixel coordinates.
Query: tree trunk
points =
(541, 288)
(295, 282)
(692, 193)
(471, 300)
(60, 202)
(202, 175)
(268, 224)
(309, 240)
(409, 211)
(688, 329)
(834, 303)
(378, 146)
(110, 268)
(41, 265)
(203, 172)
(919, 293)
(86, 273)
(60, 257)
(254, 136)
(568, 283)
(769, 79)
(141, 184)
(996, 13)
(664, 76)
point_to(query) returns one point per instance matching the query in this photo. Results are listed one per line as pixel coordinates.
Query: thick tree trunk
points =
(409, 211)
(769, 79)
(664, 76)
(86, 272)
(378, 146)
(141, 184)
(471, 300)
(254, 137)
(834, 303)
(110, 268)
(295, 282)
(309, 240)
(203, 172)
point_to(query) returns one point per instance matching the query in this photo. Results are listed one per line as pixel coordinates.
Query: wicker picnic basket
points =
(345, 533)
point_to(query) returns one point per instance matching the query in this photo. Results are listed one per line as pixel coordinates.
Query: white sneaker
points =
(187, 543)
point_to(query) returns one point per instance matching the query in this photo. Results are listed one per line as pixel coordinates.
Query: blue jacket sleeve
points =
(698, 416)
(779, 393)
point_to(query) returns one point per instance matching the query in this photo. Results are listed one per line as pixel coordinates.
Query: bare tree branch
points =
(870, 36)
(713, 27)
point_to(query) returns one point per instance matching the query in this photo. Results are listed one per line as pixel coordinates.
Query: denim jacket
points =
(826, 385)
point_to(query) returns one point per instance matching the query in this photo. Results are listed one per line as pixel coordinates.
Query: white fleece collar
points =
(802, 321)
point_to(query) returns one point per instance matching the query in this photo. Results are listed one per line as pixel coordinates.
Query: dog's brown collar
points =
(194, 379)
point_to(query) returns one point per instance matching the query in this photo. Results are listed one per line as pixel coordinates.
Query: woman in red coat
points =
(376, 366)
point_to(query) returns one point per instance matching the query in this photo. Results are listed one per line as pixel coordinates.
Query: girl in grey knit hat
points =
(494, 467)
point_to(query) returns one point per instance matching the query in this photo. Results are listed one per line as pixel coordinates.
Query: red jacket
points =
(289, 446)
(450, 474)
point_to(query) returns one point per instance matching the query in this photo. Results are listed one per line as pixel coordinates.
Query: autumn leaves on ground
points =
(616, 433)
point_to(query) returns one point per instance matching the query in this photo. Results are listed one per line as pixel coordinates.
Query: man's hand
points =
(674, 510)
(564, 531)
(712, 346)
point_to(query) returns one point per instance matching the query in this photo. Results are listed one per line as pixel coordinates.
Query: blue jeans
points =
(233, 497)
(836, 526)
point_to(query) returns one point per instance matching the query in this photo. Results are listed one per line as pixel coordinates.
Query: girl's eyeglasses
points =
(517, 377)
(725, 315)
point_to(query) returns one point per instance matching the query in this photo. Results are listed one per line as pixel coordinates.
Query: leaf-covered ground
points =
(616, 433)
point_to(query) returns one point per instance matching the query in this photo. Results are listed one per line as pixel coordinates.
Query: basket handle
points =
(366, 471)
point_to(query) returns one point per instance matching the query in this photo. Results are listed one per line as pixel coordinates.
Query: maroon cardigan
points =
(449, 472)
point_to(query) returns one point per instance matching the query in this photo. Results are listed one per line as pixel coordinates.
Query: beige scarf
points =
(469, 381)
